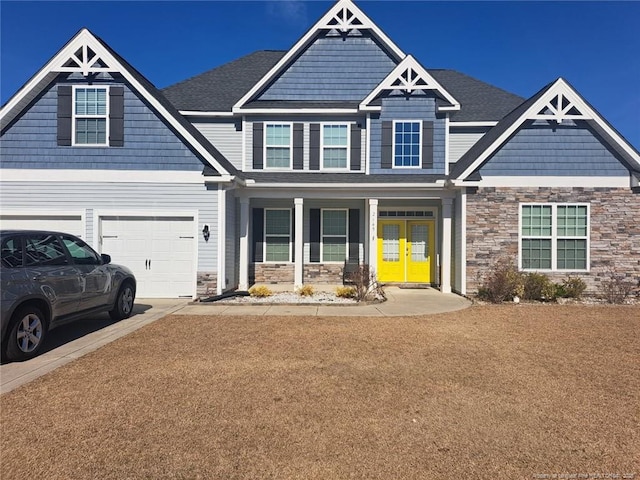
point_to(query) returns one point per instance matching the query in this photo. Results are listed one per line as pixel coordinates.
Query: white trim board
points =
(544, 181)
(107, 176)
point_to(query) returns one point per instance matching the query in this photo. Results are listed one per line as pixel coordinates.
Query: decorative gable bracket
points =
(561, 107)
(345, 17)
(408, 77)
(84, 60)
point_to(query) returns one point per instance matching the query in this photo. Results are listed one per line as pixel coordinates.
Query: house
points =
(283, 166)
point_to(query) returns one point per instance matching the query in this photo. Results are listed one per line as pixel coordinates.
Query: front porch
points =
(404, 238)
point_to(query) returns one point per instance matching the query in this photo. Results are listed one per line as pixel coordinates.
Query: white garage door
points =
(159, 250)
(68, 223)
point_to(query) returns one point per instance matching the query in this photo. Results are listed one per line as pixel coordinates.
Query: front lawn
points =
(484, 393)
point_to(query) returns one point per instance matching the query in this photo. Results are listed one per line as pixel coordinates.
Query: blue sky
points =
(518, 46)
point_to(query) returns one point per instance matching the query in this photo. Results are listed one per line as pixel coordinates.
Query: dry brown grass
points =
(488, 392)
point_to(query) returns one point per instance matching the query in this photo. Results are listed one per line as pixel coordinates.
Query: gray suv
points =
(50, 278)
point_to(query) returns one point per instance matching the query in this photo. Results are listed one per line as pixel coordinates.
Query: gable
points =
(543, 149)
(333, 67)
(31, 141)
(87, 57)
(343, 20)
(556, 107)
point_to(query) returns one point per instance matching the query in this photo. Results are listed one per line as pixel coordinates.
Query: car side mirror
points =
(105, 258)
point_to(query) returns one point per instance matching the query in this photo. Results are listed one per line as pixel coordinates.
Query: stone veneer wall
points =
(272, 273)
(322, 273)
(206, 284)
(492, 230)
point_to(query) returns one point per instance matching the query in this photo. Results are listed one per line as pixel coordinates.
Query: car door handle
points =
(38, 278)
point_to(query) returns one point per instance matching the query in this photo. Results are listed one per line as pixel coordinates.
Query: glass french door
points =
(405, 250)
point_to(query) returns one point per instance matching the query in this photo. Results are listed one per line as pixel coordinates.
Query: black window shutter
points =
(65, 107)
(314, 235)
(116, 116)
(387, 145)
(298, 141)
(258, 144)
(314, 147)
(427, 144)
(354, 235)
(356, 146)
(258, 234)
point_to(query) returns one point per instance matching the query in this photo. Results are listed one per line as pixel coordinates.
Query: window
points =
(406, 144)
(12, 252)
(335, 146)
(554, 237)
(90, 113)
(277, 235)
(278, 146)
(80, 252)
(334, 235)
(44, 250)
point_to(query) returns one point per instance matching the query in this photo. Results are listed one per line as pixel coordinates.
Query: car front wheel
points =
(124, 303)
(27, 334)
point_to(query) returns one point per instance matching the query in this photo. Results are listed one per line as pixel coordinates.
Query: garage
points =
(160, 250)
(60, 222)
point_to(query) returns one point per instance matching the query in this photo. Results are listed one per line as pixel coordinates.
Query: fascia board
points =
(300, 110)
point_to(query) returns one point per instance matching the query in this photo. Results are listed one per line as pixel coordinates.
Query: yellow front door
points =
(405, 250)
(391, 250)
(420, 238)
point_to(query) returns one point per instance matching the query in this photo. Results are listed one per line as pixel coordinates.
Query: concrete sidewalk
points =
(72, 341)
(400, 303)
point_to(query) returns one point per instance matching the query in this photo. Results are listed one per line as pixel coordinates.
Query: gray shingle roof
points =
(479, 101)
(219, 89)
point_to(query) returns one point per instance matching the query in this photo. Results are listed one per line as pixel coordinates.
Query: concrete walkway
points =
(400, 303)
(74, 340)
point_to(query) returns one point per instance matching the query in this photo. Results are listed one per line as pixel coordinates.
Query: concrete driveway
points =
(74, 340)
(71, 341)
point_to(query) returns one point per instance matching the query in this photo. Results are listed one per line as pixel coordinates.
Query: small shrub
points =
(616, 288)
(260, 291)
(537, 286)
(503, 282)
(346, 292)
(306, 291)
(571, 287)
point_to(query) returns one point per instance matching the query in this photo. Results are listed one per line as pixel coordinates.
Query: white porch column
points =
(445, 255)
(243, 280)
(298, 244)
(373, 235)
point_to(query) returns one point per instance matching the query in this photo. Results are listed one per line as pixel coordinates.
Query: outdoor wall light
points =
(205, 233)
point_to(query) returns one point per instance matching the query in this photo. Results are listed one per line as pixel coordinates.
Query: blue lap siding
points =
(31, 142)
(564, 150)
(333, 68)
